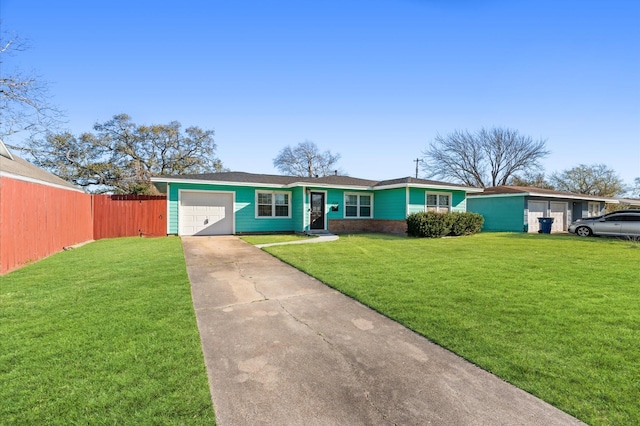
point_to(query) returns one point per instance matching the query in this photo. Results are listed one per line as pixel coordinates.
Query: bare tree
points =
(534, 180)
(306, 159)
(489, 157)
(597, 179)
(24, 99)
(121, 156)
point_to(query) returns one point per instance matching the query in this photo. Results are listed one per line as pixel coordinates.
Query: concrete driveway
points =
(281, 348)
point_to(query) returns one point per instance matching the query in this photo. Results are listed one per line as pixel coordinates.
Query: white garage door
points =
(559, 215)
(205, 213)
(536, 209)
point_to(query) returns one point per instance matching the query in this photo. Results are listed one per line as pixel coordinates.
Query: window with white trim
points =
(594, 209)
(358, 205)
(438, 202)
(273, 204)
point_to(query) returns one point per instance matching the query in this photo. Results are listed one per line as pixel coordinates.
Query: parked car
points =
(621, 223)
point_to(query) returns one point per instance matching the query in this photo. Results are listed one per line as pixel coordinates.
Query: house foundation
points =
(344, 226)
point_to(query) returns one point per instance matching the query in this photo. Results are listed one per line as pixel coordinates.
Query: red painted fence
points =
(129, 215)
(39, 220)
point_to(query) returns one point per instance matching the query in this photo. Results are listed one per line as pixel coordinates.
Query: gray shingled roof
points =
(337, 180)
(19, 167)
(416, 181)
(512, 189)
(240, 177)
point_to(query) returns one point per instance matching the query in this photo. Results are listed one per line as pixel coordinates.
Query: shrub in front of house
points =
(437, 225)
(465, 223)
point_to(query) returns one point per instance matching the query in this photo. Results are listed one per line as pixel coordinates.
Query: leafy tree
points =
(305, 159)
(24, 99)
(121, 156)
(534, 180)
(597, 179)
(489, 157)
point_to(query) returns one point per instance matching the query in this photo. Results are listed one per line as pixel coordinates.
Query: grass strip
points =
(103, 334)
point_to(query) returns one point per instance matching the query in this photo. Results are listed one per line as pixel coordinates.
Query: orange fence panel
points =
(129, 215)
(39, 220)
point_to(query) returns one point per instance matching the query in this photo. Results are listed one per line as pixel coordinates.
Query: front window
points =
(594, 209)
(438, 202)
(273, 204)
(358, 205)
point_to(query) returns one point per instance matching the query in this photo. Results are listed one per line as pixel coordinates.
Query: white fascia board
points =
(538, 194)
(315, 185)
(328, 185)
(39, 182)
(258, 184)
(519, 194)
(423, 186)
(218, 182)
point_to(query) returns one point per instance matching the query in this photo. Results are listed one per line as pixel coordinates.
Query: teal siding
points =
(504, 214)
(390, 204)
(298, 209)
(244, 208)
(417, 199)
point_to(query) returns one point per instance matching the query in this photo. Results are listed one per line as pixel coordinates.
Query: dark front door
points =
(317, 210)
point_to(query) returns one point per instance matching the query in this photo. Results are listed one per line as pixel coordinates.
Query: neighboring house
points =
(517, 208)
(40, 213)
(237, 202)
(631, 203)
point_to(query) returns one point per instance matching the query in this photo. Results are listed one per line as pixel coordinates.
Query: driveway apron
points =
(281, 348)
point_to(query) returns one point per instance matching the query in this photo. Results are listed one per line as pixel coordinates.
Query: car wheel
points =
(583, 231)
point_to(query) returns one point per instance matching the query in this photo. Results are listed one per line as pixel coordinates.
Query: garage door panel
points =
(536, 209)
(206, 213)
(559, 212)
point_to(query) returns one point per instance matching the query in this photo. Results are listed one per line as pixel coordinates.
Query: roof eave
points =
(217, 182)
(39, 181)
(538, 194)
(317, 184)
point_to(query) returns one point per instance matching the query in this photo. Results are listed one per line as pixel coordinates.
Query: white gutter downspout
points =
(406, 204)
(305, 214)
(168, 202)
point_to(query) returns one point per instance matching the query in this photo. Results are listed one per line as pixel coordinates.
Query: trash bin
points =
(545, 225)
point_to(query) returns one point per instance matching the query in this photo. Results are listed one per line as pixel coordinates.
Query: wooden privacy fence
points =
(39, 220)
(129, 215)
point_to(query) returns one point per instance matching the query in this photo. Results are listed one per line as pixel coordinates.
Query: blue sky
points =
(372, 80)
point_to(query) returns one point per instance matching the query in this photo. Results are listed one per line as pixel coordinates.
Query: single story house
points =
(238, 202)
(631, 203)
(517, 208)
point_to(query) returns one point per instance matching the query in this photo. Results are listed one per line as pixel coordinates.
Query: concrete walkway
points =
(281, 348)
(320, 238)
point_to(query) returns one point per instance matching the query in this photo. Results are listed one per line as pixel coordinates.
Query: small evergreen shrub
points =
(437, 225)
(466, 223)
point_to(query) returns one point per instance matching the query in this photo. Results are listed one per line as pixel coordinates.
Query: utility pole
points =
(417, 160)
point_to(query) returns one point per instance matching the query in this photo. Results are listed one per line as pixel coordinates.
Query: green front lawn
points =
(558, 316)
(103, 334)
